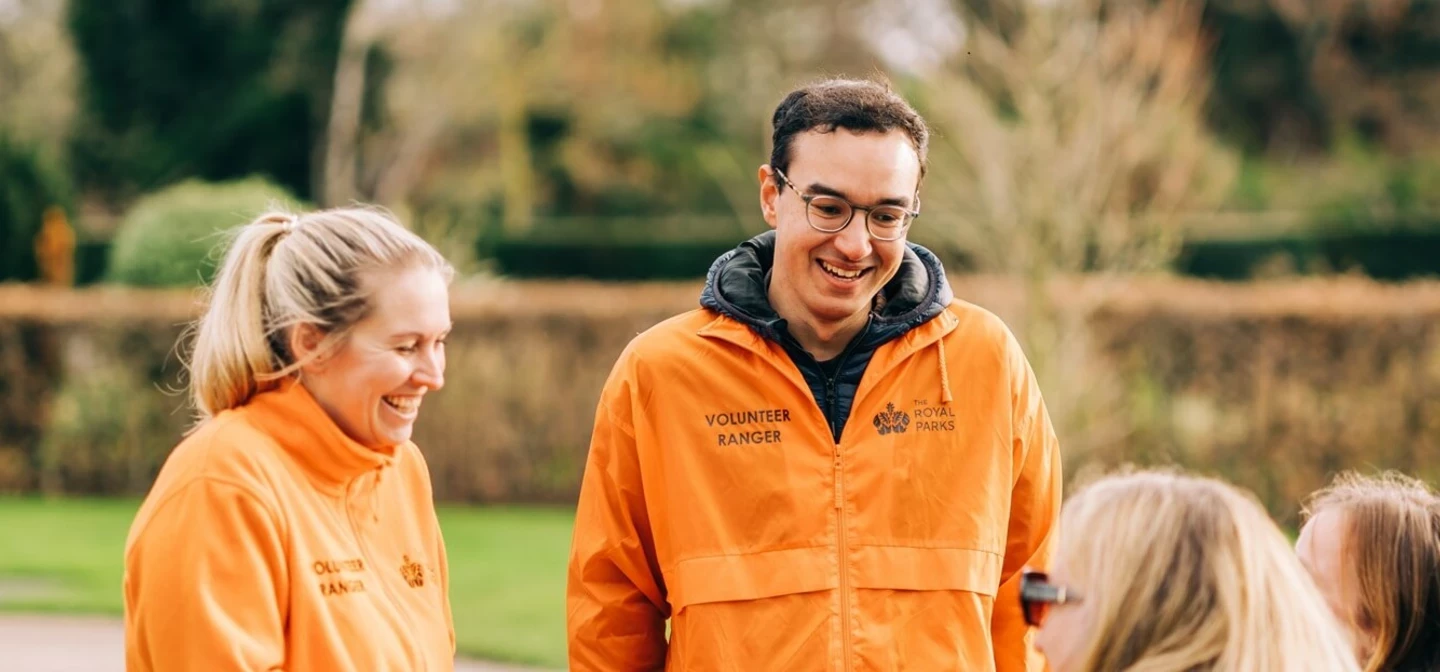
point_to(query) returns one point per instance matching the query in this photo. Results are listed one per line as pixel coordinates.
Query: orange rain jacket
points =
(716, 495)
(271, 541)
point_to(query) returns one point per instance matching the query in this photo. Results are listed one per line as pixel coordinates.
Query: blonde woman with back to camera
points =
(294, 527)
(1159, 571)
(1373, 546)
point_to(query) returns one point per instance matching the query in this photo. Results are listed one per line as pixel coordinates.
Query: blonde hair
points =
(1187, 573)
(1391, 549)
(282, 270)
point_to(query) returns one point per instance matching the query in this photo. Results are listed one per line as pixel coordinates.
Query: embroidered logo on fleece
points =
(412, 571)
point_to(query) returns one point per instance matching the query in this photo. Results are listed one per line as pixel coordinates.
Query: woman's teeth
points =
(405, 405)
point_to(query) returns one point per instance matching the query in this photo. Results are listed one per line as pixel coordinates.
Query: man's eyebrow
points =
(820, 189)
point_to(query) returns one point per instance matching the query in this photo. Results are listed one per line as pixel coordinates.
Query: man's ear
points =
(769, 195)
(305, 340)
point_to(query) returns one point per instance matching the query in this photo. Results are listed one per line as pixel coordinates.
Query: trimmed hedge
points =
(678, 247)
(608, 260)
(1399, 250)
(1272, 386)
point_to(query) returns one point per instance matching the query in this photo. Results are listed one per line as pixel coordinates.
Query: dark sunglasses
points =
(1037, 595)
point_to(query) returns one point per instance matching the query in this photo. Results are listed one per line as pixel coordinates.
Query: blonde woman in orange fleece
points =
(294, 527)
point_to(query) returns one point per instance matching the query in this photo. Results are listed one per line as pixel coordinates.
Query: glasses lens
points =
(828, 213)
(888, 222)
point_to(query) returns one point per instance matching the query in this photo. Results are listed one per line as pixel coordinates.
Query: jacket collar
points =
(738, 282)
(290, 415)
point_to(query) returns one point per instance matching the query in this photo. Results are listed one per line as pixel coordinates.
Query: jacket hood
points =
(738, 282)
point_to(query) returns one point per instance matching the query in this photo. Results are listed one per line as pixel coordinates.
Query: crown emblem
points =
(412, 571)
(891, 420)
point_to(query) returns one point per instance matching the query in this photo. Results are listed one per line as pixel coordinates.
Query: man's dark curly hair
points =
(855, 105)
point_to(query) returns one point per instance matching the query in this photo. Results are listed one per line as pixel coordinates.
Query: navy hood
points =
(737, 287)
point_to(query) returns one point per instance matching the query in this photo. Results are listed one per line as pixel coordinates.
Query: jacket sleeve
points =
(1034, 514)
(616, 607)
(204, 584)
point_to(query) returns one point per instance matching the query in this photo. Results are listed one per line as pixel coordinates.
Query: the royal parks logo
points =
(891, 420)
(412, 571)
(927, 418)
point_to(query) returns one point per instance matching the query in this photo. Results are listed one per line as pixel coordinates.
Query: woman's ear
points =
(305, 341)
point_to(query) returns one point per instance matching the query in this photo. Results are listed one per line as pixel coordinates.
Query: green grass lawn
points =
(507, 569)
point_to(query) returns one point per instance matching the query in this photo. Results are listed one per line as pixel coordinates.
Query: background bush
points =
(1400, 249)
(119, 400)
(1278, 386)
(173, 237)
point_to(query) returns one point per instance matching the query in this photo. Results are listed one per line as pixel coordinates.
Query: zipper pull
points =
(839, 494)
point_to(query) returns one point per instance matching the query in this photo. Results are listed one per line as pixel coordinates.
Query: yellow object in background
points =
(55, 249)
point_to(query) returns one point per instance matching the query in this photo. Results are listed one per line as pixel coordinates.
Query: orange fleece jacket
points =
(271, 541)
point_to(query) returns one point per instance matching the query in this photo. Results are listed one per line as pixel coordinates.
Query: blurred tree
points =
(37, 74)
(602, 118)
(37, 65)
(1070, 138)
(215, 89)
(1075, 143)
(337, 183)
(627, 107)
(1294, 75)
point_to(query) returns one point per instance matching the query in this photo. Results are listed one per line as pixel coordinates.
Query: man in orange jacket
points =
(832, 464)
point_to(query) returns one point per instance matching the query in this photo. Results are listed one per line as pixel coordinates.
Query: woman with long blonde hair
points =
(294, 528)
(1160, 571)
(1372, 545)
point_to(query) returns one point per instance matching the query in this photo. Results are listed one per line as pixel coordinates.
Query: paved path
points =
(36, 643)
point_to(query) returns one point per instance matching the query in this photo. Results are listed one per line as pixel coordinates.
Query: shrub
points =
(174, 237)
(1276, 386)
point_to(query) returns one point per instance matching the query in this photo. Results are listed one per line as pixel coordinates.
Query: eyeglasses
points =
(831, 214)
(1037, 595)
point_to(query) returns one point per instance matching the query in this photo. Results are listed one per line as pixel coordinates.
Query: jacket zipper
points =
(827, 409)
(842, 550)
(385, 588)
